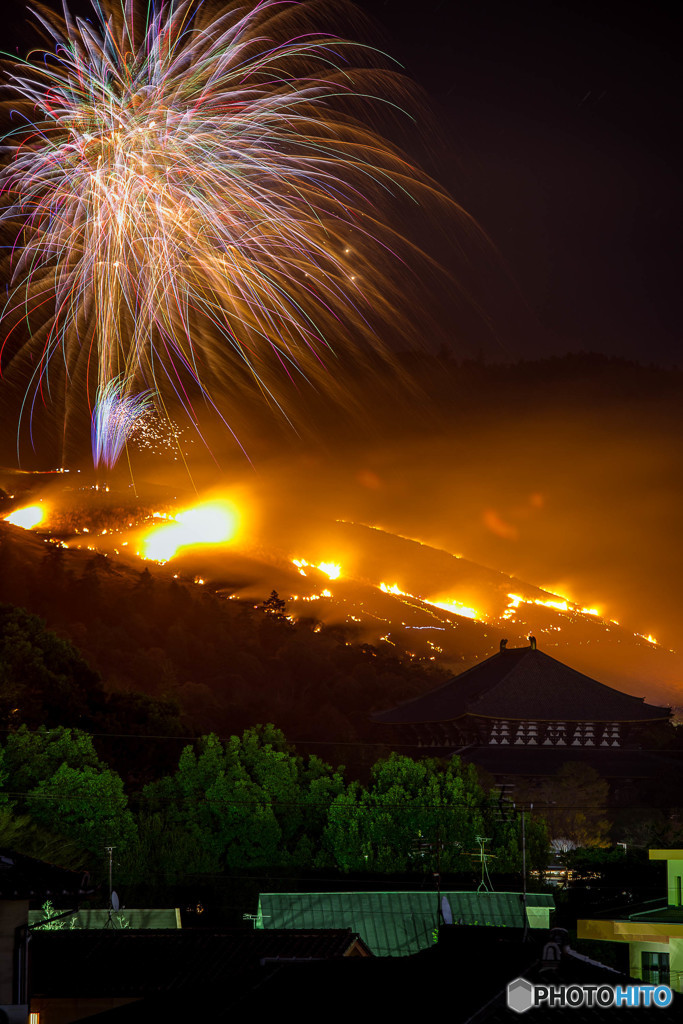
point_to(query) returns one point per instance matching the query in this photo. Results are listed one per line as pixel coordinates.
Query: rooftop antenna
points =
(421, 844)
(485, 885)
(110, 851)
(113, 896)
(524, 900)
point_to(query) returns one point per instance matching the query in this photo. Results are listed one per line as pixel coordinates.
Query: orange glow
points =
(448, 606)
(457, 608)
(393, 589)
(560, 604)
(330, 569)
(497, 525)
(27, 518)
(560, 591)
(212, 522)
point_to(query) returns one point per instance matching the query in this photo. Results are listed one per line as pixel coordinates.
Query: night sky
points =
(557, 127)
(561, 125)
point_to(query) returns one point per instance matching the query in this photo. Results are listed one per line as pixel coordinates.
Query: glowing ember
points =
(27, 517)
(213, 522)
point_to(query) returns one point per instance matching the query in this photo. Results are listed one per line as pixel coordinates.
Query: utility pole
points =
(524, 900)
(110, 851)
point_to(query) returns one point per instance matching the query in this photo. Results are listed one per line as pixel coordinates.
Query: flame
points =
(457, 608)
(27, 517)
(211, 522)
(448, 606)
(393, 589)
(330, 569)
(560, 604)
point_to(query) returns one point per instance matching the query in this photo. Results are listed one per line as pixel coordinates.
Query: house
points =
(24, 880)
(168, 974)
(524, 713)
(401, 923)
(653, 933)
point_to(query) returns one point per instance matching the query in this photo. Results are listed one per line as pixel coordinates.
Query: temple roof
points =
(523, 684)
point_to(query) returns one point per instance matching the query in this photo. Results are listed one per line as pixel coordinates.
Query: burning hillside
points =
(380, 588)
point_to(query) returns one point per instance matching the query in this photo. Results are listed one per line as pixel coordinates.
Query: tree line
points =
(252, 803)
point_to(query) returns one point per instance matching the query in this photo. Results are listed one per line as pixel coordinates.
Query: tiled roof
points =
(394, 923)
(523, 683)
(25, 878)
(461, 981)
(127, 962)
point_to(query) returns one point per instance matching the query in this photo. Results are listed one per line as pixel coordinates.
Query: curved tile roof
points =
(523, 683)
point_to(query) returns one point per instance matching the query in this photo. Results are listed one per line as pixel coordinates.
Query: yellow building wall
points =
(674, 880)
(674, 874)
(675, 950)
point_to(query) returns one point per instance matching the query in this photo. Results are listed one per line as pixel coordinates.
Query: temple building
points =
(521, 712)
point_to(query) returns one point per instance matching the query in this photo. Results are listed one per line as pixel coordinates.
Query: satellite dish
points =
(114, 900)
(446, 910)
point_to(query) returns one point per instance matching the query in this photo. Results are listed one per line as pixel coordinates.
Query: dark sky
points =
(558, 129)
(562, 129)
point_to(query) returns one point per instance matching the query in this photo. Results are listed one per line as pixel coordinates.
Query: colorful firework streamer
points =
(194, 203)
(115, 417)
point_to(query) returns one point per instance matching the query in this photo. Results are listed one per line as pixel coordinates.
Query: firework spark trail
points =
(115, 417)
(182, 190)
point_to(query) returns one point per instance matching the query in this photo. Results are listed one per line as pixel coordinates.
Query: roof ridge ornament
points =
(532, 642)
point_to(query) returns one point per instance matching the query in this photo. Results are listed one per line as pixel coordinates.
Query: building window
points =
(555, 735)
(655, 968)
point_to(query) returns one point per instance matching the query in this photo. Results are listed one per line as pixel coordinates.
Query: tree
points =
(574, 804)
(30, 757)
(87, 805)
(407, 805)
(411, 810)
(56, 786)
(274, 605)
(43, 678)
(248, 802)
(23, 835)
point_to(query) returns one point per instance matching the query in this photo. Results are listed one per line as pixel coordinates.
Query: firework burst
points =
(193, 202)
(116, 415)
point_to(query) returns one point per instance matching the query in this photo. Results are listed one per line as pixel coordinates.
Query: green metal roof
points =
(398, 923)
